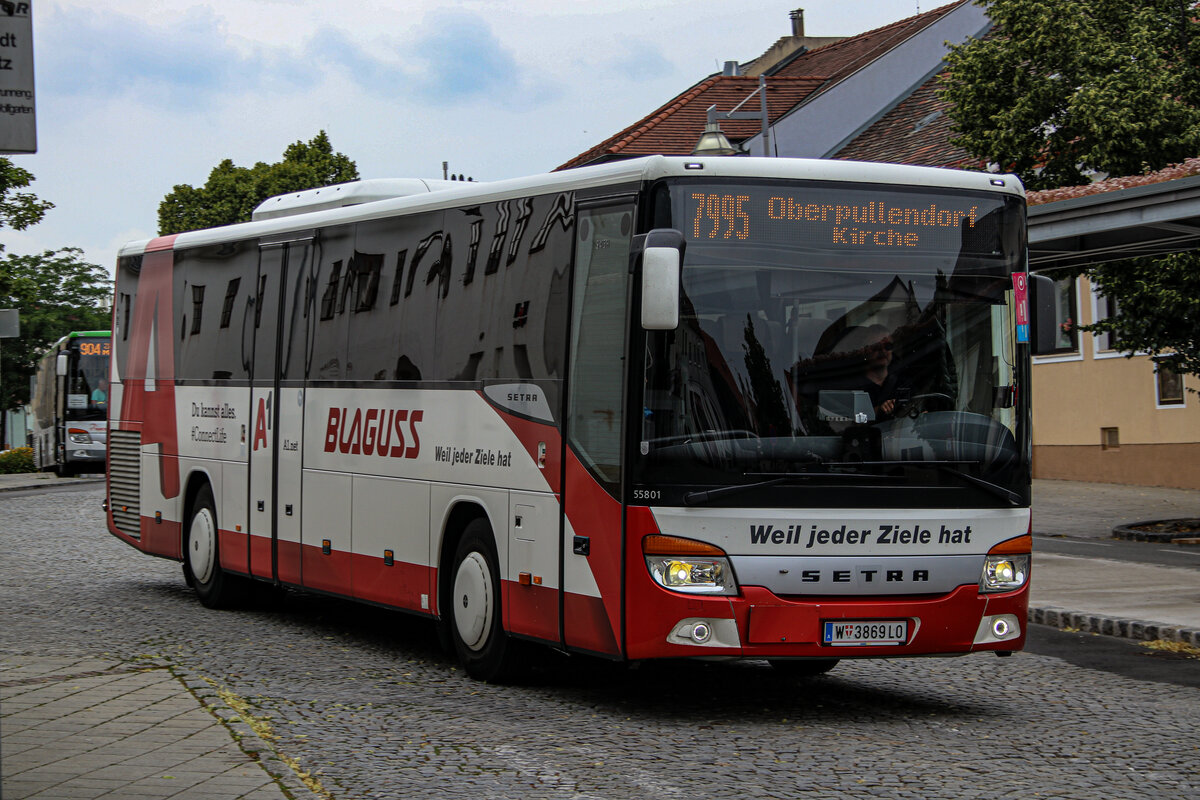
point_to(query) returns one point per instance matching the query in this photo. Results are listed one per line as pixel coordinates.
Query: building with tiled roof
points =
(843, 58)
(917, 131)
(821, 92)
(674, 128)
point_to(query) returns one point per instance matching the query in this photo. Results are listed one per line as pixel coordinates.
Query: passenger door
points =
(277, 404)
(592, 529)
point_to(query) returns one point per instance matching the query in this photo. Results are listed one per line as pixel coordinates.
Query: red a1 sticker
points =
(1021, 300)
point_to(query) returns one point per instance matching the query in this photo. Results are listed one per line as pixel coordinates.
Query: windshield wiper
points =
(699, 497)
(945, 466)
(696, 498)
(994, 488)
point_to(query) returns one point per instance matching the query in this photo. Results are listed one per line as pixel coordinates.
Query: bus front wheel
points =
(475, 623)
(201, 556)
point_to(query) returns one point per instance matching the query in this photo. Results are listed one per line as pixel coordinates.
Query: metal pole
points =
(766, 126)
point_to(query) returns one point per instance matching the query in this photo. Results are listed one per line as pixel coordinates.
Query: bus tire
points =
(476, 619)
(202, 557)
(802, 667)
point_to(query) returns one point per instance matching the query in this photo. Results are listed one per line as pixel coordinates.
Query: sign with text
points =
(1021, 301)
(18, 126)
(845, 219)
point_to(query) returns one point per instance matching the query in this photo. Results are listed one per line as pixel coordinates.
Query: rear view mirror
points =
(61, 364)
(1044, 324)
(661, 260)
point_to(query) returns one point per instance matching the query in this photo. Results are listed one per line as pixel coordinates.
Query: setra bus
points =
(666, 407)
(69, 400)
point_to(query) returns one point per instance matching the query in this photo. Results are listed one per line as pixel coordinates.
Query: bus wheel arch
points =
(201, 550)
(470, 596)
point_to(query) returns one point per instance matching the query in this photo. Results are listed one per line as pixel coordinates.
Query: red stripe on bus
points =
(532, 434)
(401, 585)
(161, 538)
(289, 558)
(596, 514)
(260, 557)
(233, 551)
(328, 573)
(531, 610)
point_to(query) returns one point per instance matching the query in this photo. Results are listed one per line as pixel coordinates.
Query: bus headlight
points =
(683, 565)
(79, 436)
(1004, 573)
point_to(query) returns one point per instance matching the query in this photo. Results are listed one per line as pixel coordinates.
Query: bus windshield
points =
(87, 382)
(830, 332)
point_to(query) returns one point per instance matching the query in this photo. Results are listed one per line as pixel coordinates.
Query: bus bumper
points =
(760, 624)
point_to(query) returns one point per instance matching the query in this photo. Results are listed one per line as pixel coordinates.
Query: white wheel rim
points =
(472, 601)
(202, 545)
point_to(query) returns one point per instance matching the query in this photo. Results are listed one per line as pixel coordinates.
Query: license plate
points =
(850, 633)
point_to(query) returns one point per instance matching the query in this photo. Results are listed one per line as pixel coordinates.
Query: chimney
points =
(797, 22)
(731, 68)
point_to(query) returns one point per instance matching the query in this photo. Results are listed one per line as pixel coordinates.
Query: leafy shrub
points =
(19, 459)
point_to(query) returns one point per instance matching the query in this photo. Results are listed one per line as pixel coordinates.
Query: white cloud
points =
(136, 98)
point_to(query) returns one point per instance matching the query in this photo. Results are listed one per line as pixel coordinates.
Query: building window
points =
(1169, 385)
(1110, 438)
(1066, 316)
(1106, 307)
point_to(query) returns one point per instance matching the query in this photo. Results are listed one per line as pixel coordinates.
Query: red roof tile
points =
(675, 128)
(840, 59)
(917, 131)
(1189, 167)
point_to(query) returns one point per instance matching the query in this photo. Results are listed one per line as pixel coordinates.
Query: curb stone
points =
(246, 738)
(1128, 530)
(1113, 626)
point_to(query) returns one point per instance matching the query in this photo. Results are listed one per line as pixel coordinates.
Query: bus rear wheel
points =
(202, 557)
(475, 619)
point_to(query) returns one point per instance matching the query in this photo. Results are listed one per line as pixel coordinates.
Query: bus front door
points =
(592, 551)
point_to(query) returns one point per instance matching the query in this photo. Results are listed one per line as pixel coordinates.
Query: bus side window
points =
(213, 287)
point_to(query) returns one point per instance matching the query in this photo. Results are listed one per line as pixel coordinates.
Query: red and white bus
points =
(665, 407)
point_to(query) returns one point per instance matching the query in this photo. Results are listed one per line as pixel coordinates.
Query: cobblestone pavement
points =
(365, 701)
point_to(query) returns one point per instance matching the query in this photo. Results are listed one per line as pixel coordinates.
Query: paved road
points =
(364, 700)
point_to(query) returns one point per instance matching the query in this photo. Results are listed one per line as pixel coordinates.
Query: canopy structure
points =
(1140, 220)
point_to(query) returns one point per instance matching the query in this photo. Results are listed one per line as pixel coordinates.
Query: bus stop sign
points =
(18, 128)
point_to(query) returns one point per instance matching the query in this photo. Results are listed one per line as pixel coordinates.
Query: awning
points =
(1149, 220)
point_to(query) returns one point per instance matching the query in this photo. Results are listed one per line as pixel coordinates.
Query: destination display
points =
(95, 348)
(841, 219)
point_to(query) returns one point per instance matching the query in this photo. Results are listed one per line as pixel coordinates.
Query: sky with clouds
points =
(138, 96)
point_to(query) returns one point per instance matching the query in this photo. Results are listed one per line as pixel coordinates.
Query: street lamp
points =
(715, 143)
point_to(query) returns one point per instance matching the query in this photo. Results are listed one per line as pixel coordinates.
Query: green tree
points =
(1061, 89)
(232, 192)
(56, 292)
(1158, 308)
(18, 210)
